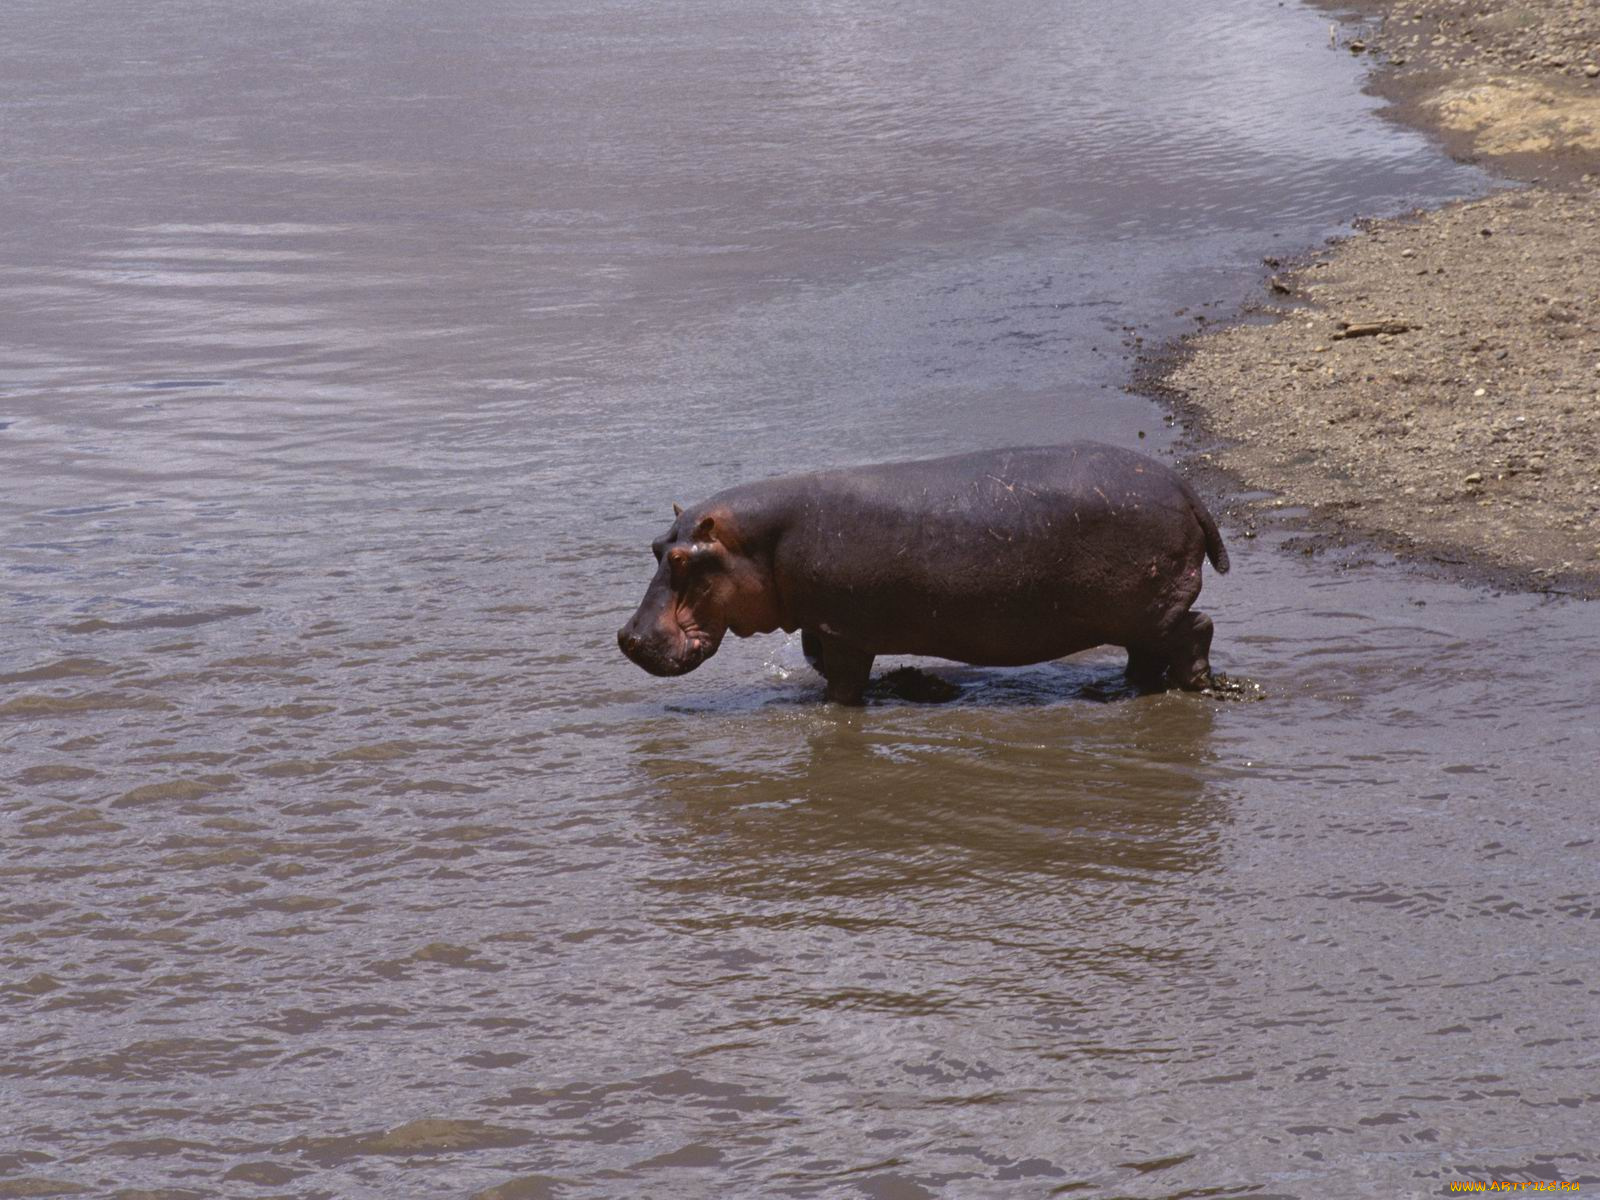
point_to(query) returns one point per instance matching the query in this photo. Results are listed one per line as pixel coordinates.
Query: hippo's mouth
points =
(693, 655)
(694, 646)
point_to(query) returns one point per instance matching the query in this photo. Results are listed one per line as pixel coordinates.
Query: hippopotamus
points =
(997, 558)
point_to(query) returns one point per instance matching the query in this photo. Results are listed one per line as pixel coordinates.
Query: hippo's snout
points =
(637, 649)
(663, 655)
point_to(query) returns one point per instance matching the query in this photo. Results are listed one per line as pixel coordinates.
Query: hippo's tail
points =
(1215, 550)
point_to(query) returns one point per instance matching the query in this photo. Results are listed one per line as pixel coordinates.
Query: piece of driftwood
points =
(1373, 328)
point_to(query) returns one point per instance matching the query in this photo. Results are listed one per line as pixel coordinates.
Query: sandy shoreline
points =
(1432, 383)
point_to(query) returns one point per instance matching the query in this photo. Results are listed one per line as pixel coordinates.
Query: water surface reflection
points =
(352, 356)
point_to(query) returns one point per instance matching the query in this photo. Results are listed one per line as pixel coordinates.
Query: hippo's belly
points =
(1006, 593)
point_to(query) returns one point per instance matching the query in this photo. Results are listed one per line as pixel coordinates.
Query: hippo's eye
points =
(680, 560)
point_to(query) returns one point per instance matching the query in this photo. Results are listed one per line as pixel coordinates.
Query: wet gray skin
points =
(1005, 557)
(352, 356)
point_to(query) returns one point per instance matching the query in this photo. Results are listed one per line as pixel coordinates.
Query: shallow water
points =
(352, 356)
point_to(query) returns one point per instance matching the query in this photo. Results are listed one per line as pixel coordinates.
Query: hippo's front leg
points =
(811, 647)
(1147, 667)
(844, 667)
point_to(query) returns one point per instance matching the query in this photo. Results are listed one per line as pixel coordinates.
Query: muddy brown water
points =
(352, 355)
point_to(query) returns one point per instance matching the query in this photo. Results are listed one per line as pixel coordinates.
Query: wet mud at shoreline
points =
(346, 857)
(1462, 433)
(1516, 88)
(1469, 434)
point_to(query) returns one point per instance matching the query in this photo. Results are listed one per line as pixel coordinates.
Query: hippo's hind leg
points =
(844, 667)
(1189, 651)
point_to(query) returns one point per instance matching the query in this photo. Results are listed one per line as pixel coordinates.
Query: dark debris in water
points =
(917, 686)
(1224, 688)
(1110, 690)
(173, 385)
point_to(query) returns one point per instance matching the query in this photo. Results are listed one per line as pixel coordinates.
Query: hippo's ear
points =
(705, 531)
(677, 510)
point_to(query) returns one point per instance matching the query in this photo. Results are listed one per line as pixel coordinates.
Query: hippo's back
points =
(1020, 493)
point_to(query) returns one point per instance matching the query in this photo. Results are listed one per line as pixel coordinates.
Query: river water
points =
(353, 353)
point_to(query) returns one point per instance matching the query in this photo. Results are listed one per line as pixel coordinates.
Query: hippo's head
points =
(705, 584)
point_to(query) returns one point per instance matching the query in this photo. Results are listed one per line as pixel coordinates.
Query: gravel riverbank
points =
(1433, 382)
